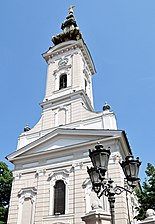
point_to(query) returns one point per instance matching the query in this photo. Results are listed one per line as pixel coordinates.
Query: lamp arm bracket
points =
(118, 190)
(105, 190)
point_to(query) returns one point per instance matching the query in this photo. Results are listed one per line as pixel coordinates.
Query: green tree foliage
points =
(5, 190)
(146, 196)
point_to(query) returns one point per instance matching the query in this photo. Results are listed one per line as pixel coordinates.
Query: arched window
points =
(63, 81)
(59, 183)
(26, 208)
(59, 197)
(61, 117)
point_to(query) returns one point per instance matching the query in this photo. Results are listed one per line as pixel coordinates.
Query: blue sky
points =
(120, 35)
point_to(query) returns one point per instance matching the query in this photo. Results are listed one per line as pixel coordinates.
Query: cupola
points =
(70, 30)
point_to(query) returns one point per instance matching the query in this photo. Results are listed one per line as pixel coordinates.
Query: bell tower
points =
(70, 69)
(69, 75)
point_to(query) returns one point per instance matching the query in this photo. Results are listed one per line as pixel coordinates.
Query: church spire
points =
(70, 29)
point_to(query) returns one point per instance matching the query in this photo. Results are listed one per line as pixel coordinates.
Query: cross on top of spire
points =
(71, 9)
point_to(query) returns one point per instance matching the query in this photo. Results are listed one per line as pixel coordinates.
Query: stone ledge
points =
(97, 216)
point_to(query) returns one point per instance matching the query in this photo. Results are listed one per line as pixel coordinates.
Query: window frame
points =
(26, 193)
(59, 197)
(63, 81)
(53, 177)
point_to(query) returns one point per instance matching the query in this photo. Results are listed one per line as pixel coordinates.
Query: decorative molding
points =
(16, 176)
(59, 175)
(26, 193)
(63, 219)
(50, 61)
(86, 74)
(60, 68)
(63, 62)
(61, 222)
(40, 172)
(116, 157)
(77, 165)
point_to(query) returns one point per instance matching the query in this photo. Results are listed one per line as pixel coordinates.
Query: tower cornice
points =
(70, 46)
(65, 98)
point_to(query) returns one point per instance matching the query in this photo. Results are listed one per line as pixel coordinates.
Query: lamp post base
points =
(97, 217)
(150, 220)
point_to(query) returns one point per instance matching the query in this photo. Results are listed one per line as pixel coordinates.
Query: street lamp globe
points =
(95, 179)
(131, 169)
(100, 158)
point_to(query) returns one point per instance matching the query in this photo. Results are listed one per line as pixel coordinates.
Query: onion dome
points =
(106, 107)
(70, 29)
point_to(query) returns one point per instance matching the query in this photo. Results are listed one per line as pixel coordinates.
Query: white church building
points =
(51, 184)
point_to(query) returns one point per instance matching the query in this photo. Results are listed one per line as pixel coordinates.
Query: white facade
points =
(56, 148)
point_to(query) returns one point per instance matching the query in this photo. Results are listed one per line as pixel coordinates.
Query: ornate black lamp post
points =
(100, 158)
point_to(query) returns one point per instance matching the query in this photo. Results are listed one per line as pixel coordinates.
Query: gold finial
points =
(71, 9)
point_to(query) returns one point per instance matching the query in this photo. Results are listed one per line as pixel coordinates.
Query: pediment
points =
(60, 139)
(57, 142)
